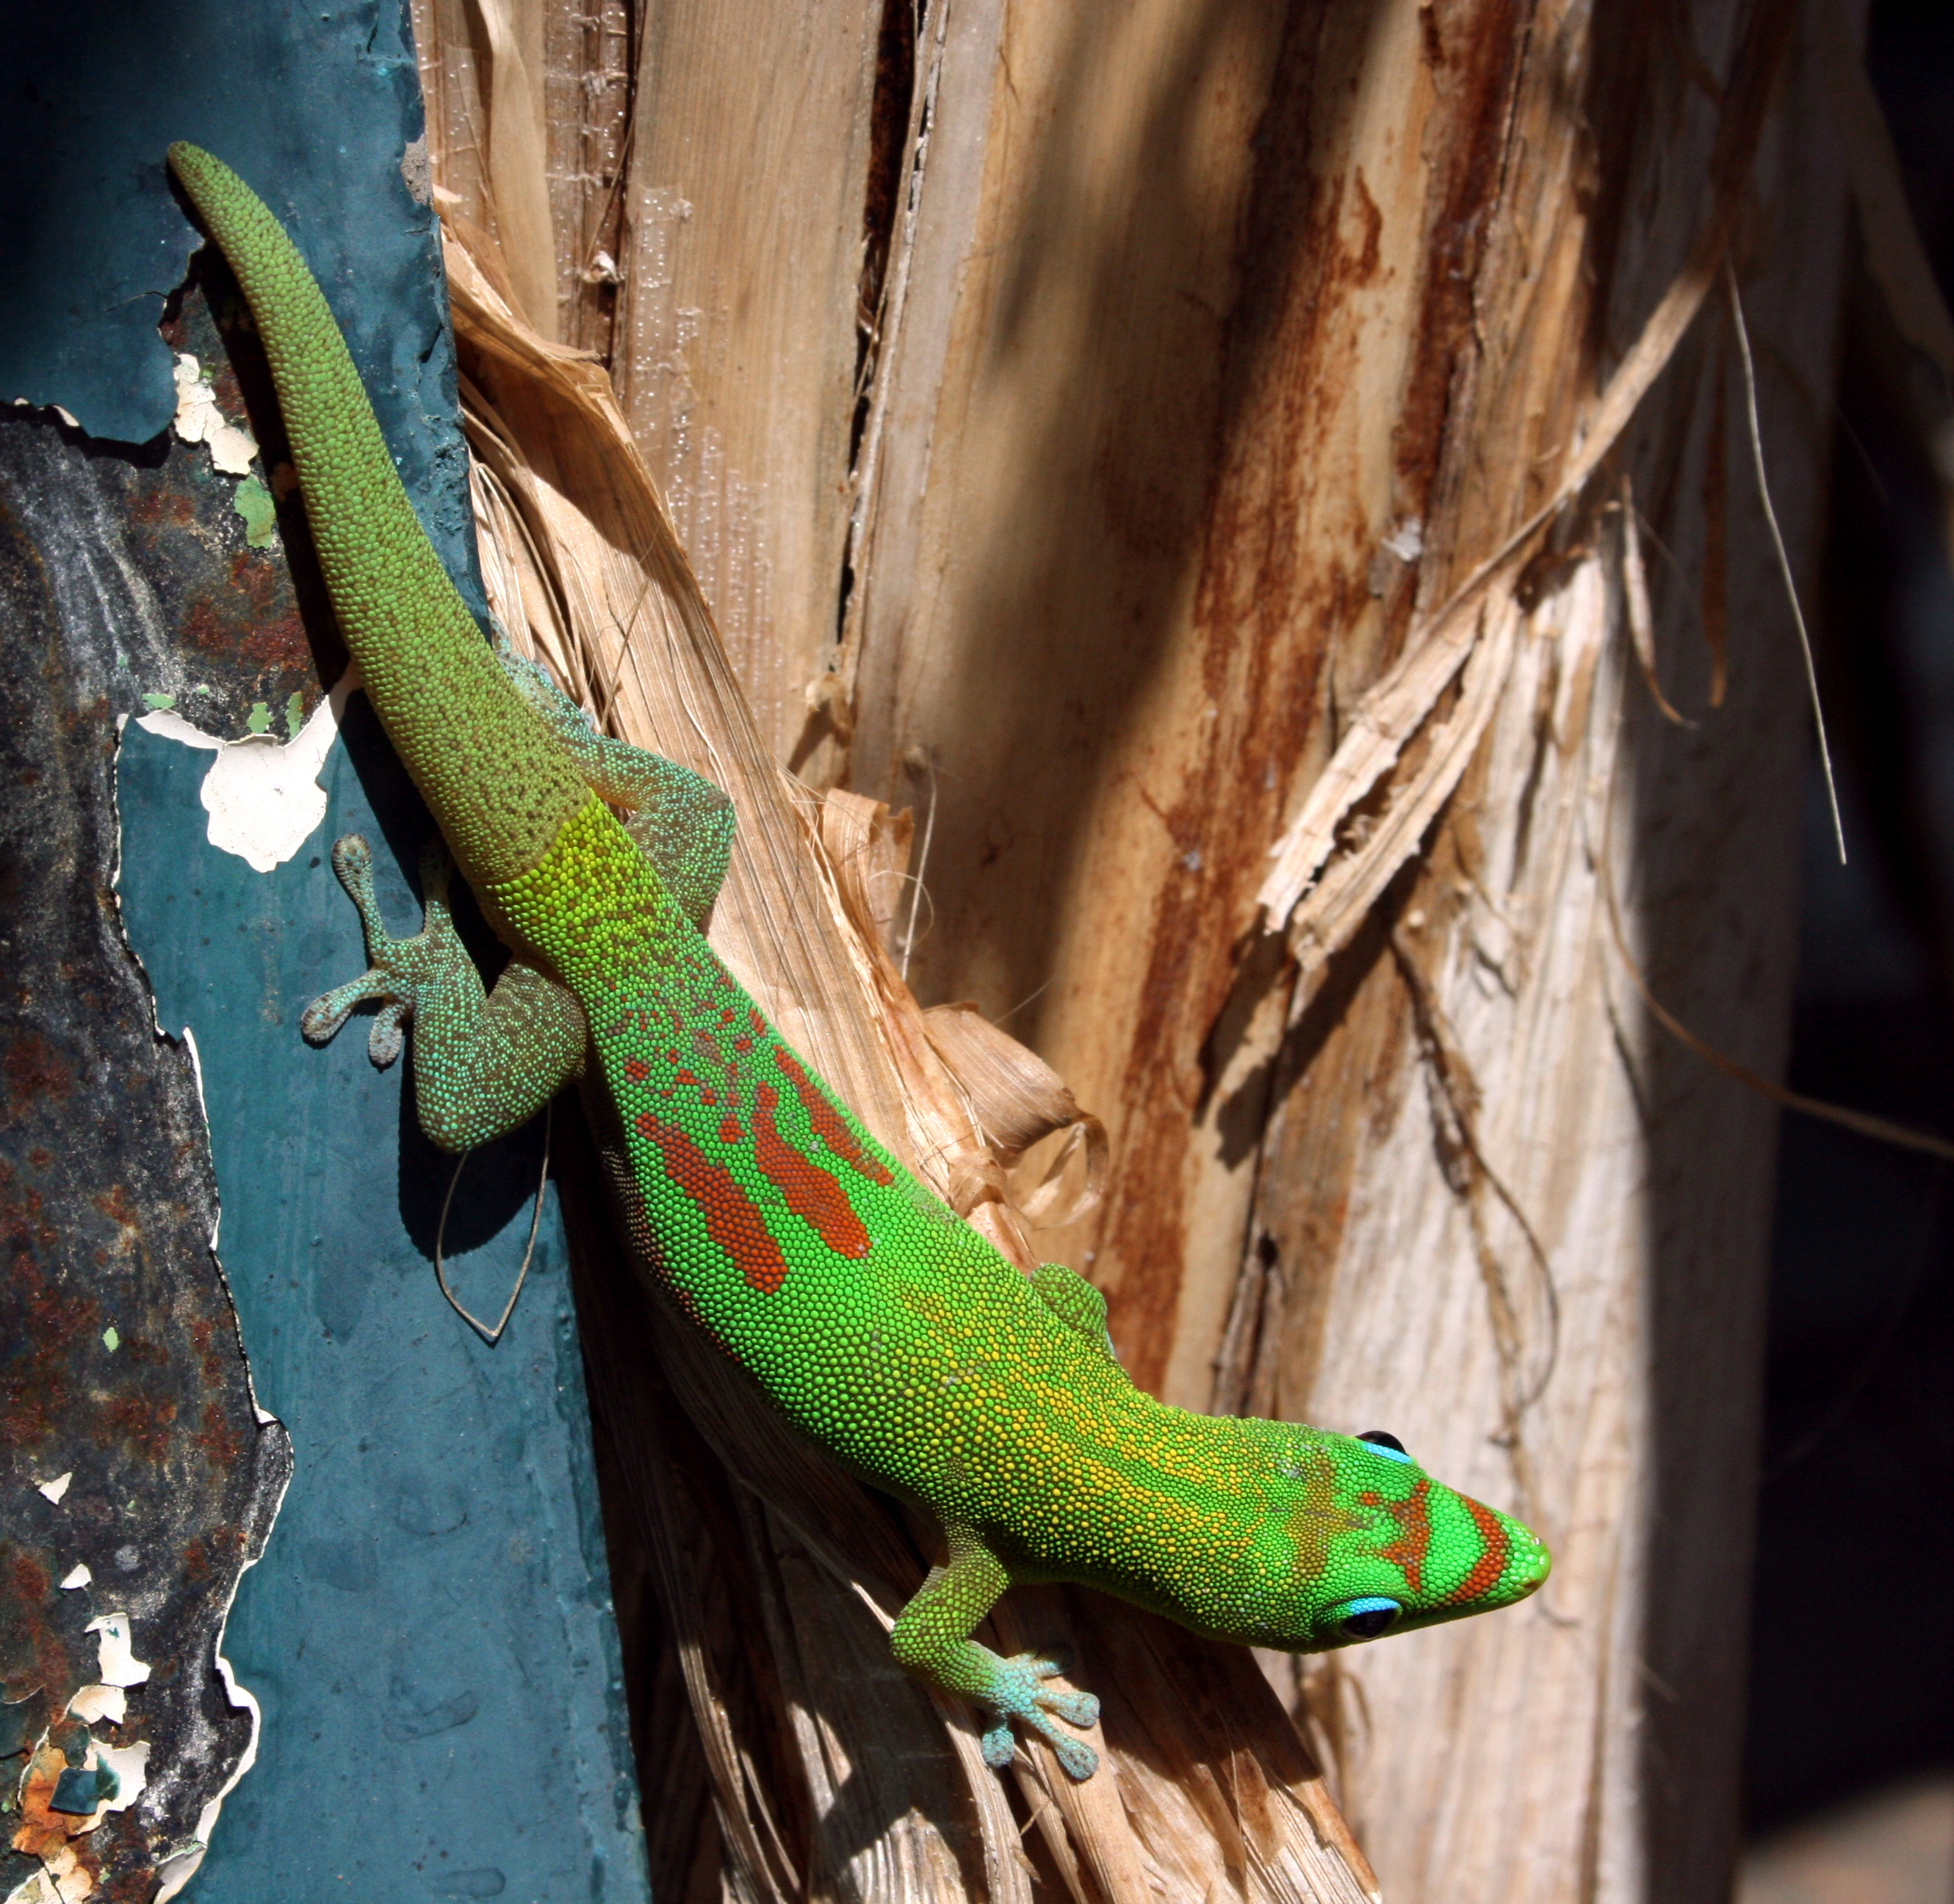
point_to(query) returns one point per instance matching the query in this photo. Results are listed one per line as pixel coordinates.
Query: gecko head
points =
(1359, 1541)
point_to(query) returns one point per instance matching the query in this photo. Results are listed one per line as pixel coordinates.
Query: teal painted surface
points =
(315, 105)
(428, 1631)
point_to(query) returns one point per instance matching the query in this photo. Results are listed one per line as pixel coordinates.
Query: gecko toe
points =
(1080, 1709)
(1080, 1760)
(1000, 1748)
(330, 1010)
(384, 1041)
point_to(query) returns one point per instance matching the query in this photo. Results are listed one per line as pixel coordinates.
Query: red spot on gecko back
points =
(829, 1124)
(1406, 1552)
(812, 1193)
(636, 1070)
(733, 1220)
(730, 1132)
(1492, 1560)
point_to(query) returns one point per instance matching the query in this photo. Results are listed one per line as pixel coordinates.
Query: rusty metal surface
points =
(120, 1365)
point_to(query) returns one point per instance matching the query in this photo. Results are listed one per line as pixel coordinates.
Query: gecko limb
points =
(1076, 1303)
(680, 821)
(485, 1063)
(932, 1638)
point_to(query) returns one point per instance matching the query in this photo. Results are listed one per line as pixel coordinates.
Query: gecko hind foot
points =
(1017, 1692)
(402, 971)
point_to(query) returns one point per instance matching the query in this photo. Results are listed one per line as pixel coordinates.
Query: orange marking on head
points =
(730, 1132)
(811, 1192)
(829, 1124)
(733, 1220)
(1413, 1541)
(1492, 1560)
(1316, 1520)
(636, 1070)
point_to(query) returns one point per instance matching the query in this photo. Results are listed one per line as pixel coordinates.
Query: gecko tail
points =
(488, 766)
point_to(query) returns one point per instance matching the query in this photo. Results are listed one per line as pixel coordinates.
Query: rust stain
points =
(1284, 582)
(28, 1578)
(161, 508)
(222, 1440)
(142, 1423)
(33, 1657)
(33, 1070)
(116, 1204)
(1475, 64)
(206, 631)
(34, 1379)
(216, 1364)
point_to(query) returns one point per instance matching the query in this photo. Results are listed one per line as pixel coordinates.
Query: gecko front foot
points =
(404, 972)
(1016, 1692)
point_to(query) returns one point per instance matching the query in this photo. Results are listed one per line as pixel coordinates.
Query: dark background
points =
(1853, 1656)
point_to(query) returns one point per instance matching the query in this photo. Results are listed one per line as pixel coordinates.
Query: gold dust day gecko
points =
(883, 1327)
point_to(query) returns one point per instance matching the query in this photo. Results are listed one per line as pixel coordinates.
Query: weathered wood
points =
(1215, 349)
(1200, 426)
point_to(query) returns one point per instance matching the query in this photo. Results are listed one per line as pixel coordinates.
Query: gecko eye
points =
(1385, 1443)
(1366, 1618)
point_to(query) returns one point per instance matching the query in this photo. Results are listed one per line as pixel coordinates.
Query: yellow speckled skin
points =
(883, 1326)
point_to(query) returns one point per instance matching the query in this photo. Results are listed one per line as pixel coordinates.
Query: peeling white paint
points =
(120, 1666)
(77, 1576)
(262, 795)
(56, 1488)
(93, 1704)
(130, 1765)
(199, 419)
(176, 1869)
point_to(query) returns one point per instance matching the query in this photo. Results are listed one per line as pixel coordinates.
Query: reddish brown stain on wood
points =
(1285, 571)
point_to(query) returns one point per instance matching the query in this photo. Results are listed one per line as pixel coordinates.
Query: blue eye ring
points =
(1367, 1618)
(1390, 1444)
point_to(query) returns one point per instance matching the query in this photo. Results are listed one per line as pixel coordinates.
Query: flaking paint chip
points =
(77, 1576)
(199, 419)
(111, 1340)
(118, 1665)
(56, 1488)
(94, 1704)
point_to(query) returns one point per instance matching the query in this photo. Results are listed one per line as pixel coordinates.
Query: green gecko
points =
(884, 1328)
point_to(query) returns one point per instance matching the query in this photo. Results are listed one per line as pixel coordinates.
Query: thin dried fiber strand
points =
(1880, 1129)
(1393, 710)
(1784, 559)
(492, 1336)
(922, 862)
(1636, 599)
